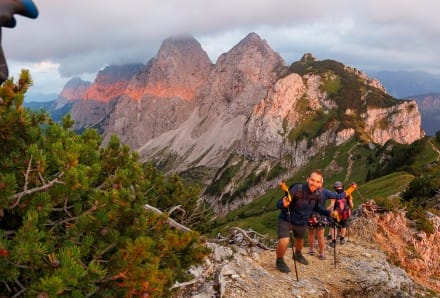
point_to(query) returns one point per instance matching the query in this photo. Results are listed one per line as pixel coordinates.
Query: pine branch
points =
(26, 191)
(93, 208)
(28, 170)
(104, 251)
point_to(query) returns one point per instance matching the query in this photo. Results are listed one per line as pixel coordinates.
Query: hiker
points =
(7, 10)
(305, 200)
(317, 224)
(343, 208)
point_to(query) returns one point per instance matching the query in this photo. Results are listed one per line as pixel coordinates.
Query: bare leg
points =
(283, 243)
(332, 232)
(311, 239)
(321, 241)
(343, 231)
(299, 243)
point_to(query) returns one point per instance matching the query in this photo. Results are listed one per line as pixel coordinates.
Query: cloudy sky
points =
(78, 38)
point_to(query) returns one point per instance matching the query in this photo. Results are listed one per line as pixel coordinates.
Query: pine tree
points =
(72, 216)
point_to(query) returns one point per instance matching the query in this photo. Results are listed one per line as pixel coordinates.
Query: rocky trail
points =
(241, 266)
(361, 271)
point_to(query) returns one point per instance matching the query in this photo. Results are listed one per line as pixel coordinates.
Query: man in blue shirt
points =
(294, 215)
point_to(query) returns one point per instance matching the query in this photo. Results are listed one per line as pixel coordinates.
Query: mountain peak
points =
(74, 89)
(180, 45)
(254, 42)
(178, 69)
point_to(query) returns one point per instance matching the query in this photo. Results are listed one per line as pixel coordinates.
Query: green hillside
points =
(261, 214)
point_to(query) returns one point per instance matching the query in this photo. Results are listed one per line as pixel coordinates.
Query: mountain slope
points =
(232, 141)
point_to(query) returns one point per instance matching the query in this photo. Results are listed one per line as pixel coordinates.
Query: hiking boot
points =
(333, 243)
(311, 252)
(282, 266)
(321, 257)
(300, 258)
(342, 241)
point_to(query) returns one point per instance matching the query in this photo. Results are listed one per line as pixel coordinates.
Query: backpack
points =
(299, 195)
(343, 209)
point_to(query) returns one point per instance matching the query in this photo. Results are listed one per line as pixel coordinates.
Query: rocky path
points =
(242, 268)
(350, 163)
(436, 150)
(257, 276)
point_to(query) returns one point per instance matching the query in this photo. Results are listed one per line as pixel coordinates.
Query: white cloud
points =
(82, 36)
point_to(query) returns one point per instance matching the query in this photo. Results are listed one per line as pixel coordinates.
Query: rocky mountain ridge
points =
(248, 111)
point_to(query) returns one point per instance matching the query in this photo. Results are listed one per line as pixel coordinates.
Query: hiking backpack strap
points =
(299, 192)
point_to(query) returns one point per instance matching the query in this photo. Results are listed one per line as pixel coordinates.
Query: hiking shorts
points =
(344, 223)
(283, 230)
(317, 226)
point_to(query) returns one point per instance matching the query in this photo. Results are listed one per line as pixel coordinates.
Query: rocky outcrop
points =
(414, 250)
(401, 123)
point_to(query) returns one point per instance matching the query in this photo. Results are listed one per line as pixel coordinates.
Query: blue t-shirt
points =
(303, 205)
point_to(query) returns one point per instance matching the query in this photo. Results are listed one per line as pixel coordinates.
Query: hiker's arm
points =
(331, 207)
(341, 195)
(350, 202)
(332, 196)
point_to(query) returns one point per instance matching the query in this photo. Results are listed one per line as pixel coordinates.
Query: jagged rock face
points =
(161, 96)
(73, 90)
(265, 134)
(111, 82)
(95, 104)
(178, 70)
(267, 131)
(419, 252)
(401, 123)
(240, 79)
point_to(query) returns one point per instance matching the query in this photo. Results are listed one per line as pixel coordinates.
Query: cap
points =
(338, 185)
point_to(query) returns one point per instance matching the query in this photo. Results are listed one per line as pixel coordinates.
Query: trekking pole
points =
(360, 195)
(334, 247)
(293, 245)
(289, 198)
